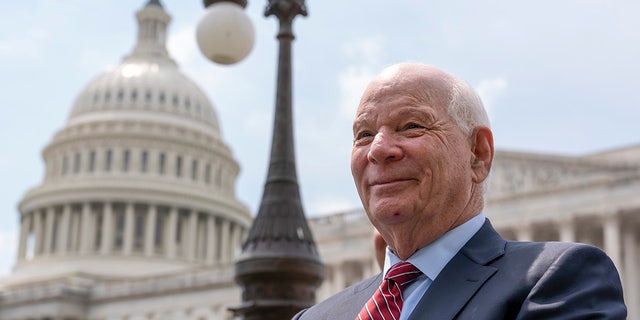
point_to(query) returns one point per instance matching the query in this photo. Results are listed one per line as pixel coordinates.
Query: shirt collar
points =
(432, 258)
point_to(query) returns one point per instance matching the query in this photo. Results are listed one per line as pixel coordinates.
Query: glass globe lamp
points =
(225, 33)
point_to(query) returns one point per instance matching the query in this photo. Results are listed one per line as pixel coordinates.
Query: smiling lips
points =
(389, 182)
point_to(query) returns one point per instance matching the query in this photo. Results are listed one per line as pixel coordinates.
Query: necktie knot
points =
(403, 273)
(386, 302)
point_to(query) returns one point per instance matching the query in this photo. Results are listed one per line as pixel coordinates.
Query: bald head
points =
(429, 83)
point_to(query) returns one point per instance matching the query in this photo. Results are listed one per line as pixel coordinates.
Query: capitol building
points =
(136, 217)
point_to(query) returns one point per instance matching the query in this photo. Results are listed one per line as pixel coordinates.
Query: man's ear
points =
(482, 149)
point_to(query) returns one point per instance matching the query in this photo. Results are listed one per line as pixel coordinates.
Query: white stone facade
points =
(137, 219)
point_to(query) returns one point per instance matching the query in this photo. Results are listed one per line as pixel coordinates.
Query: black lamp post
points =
(279, 268)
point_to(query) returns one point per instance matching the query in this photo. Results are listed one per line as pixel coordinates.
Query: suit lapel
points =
(353, 302)
(462, 277)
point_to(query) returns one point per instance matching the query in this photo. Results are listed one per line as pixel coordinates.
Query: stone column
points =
(25, 228)
(611, 232)
(171, 232)
(150, 231)
(367, 268)
(525, 232)
(48, 229)
(191, 236)
(212, 235)
(84, 168)
(101, 154)
(134, 160)
(630, 279)
(338, 277)
(170, 164)
(128, 229)
(116, 159)
(86, 232)
(107, 229)
(567, 229)
(63, 234)
(224, 240)
(38, 233)
(152, 161)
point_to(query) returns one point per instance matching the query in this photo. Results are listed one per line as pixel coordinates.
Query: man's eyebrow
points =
(358, 122)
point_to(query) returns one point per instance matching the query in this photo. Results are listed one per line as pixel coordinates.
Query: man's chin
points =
(388, 214)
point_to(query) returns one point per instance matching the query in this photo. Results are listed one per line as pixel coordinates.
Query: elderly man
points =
(422, 152)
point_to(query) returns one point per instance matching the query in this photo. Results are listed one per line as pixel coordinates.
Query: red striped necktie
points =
(386, 302)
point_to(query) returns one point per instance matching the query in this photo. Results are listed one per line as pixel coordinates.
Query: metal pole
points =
(279, 268)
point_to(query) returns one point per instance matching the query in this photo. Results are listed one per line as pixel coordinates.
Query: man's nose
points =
(384, 147)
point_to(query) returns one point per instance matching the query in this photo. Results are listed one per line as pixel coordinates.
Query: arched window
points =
(194, 169)
(178, 166)
(125, 160)
(92, 161)
(107, 161)
(76, 163)
(144, 161)
(161, 163)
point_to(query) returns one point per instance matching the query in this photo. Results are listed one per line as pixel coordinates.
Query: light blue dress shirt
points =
(432, 259)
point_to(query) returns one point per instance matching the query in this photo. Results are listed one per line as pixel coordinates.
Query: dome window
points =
(161, 98)
(96, 96)
(92, 161)
(107, 96)
(144, 160)
(161, 163)
(194, 170)
(76, 163)
(176, 100)
(147, 96)
(178, 166)
(120, 95)
(108, 159)
(207, 173)
(187, 104)
(134, 95)
(65, 164)
(125, 160)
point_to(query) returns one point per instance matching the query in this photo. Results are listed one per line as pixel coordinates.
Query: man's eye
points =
(413, 126)
(363, 134)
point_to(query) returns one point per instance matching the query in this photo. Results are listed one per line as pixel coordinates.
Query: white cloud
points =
(490, 91)
(8, 246)
(182, 45)
(353, 81)
(23, 45)
(366, 54)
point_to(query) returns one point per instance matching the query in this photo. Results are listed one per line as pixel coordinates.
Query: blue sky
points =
(556, 76)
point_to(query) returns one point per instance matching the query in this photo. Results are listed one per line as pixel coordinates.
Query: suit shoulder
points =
(544, 254)
(553, 247)
(346, 301)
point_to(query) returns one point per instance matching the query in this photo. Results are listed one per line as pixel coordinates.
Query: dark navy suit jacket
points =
(491, 278)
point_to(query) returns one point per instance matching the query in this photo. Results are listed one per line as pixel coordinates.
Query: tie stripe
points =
(386, 302)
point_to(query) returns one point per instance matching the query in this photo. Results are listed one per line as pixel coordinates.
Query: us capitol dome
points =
(139, 184)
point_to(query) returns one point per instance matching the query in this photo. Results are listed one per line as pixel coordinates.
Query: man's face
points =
(411, 164)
